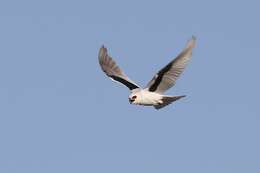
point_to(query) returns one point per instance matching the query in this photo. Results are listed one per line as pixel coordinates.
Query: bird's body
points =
(152, 94)
(145, 97)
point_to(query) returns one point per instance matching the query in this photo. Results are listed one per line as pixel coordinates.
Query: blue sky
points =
(60, 113)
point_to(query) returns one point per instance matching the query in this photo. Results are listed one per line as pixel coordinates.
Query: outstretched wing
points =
(111, 69)
(167, 76)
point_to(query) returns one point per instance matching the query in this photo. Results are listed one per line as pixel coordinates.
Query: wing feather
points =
(168, 75)
(112, 70)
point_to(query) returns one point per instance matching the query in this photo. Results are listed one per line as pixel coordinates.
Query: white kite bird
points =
(152, 94)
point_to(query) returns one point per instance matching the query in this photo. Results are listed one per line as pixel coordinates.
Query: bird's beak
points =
(130, 100)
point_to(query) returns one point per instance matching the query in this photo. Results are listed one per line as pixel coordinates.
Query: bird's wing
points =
(111, 69)
(167, 76)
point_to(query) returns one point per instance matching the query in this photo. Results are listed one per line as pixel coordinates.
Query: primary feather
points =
(168, 75)
(113, 71)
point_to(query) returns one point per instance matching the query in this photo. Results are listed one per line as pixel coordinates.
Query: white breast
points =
(149, 98)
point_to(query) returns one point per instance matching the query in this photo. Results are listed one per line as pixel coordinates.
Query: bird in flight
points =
(152, 94)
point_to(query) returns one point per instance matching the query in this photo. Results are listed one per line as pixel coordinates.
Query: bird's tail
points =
(166, 100)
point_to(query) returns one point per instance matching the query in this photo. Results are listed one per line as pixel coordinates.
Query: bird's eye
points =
(134, 97)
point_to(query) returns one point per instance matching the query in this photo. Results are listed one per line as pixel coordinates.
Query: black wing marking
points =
(168, 75)
(128, 84)
(112, 70)
(159, 77)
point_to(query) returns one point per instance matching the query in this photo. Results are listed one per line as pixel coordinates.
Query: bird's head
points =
(134, 98)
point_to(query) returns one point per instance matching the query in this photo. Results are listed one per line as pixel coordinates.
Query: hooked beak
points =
(131, 100)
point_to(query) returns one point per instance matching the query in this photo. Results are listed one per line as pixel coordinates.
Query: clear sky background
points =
(60, 113)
